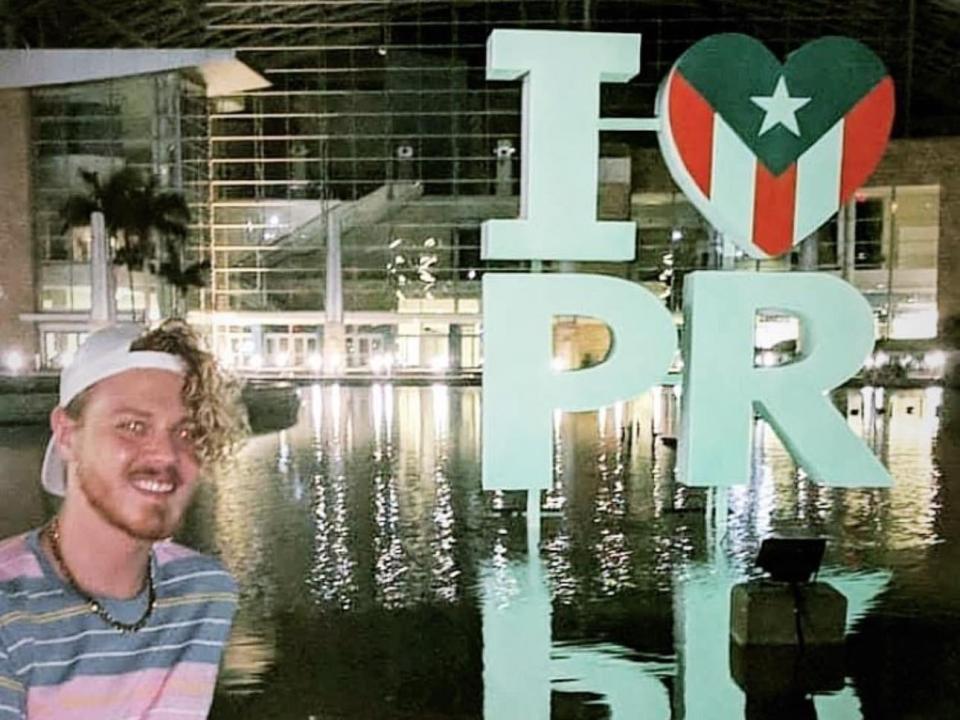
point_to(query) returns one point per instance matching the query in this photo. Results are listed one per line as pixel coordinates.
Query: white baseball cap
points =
(103, 354)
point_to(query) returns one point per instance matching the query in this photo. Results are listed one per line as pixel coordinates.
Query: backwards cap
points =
(103, 354)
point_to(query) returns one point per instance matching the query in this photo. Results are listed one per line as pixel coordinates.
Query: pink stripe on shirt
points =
(169, 551)
(16, 560)
(183, 691)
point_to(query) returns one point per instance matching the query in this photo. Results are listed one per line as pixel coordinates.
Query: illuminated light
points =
(335, 361)
(935, 360)
(315, 361)
(395, 243)
(440, 363)
(879, 396)
(399, 260)
(667, 258)
(471, 275)
(282, 359)
(768, 358)
(430, 242)
(273, 221)
(676, 235)
(388, 361)
(256, 361)
(657, 406)
(316, 408)
(441, 409)
(15, 361)
(880, 358)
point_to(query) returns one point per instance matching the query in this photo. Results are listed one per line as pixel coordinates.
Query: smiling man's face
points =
(131, 453)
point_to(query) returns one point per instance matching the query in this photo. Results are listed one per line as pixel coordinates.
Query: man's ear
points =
(65, 430)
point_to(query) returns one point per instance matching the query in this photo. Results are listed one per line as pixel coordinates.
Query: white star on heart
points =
(780, 108)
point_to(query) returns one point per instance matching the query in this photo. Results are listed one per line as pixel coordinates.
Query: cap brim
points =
(53, 475)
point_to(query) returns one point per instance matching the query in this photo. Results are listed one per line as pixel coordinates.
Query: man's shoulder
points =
(190, 570)
(18, 561)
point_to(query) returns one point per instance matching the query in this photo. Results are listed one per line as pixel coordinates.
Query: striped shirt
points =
(59, 660)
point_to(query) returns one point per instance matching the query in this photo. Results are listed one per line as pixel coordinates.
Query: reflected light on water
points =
(393, 530)
(388, 410)
(441, 410)
(316, 413)
(377, 404)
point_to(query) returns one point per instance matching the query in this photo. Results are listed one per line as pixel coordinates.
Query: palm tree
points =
(180, 277)
(136, 213)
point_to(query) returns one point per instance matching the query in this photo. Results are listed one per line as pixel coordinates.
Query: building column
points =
(334, 333)
(20, 268)
(810, 253)
(455, 347)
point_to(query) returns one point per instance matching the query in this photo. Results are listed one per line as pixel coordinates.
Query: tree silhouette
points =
(136, 214)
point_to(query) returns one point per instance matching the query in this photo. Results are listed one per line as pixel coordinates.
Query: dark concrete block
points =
(768, 613)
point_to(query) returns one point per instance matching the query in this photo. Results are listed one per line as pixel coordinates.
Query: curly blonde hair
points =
(211, 396)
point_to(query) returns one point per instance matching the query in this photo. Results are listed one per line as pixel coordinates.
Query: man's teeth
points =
(154, 486)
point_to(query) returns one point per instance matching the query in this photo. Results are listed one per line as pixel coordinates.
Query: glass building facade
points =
(349, 194)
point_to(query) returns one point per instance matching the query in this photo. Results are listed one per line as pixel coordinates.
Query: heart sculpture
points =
(768, 152)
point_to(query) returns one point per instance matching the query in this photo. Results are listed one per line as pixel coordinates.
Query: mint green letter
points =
(561, 72)
(722, 389)
(520, 387)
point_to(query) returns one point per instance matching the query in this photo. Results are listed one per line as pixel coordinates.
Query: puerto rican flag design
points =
(769, 152)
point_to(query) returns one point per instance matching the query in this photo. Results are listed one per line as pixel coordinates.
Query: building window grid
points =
(455, 157)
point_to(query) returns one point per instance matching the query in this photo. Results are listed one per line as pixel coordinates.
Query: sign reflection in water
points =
(403, 462)
(376, 577)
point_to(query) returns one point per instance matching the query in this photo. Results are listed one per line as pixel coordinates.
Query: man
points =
(101, 616)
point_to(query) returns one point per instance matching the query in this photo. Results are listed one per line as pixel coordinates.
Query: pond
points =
(379, 581)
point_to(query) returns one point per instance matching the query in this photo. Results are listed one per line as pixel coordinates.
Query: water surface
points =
(379, 581)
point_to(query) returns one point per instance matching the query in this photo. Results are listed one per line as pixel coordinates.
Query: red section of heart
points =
(691, 124)
(865, 132)
(774, 202)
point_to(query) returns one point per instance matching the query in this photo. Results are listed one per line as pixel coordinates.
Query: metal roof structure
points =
(916, 38)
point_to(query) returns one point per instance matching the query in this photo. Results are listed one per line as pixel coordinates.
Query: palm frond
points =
(76, 211)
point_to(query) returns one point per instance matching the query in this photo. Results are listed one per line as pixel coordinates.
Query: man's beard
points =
(155, 522)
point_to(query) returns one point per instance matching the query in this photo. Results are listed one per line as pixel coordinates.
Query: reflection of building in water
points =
(384, 506)
(613, 476)
(702, 607)
(901, 426)
(24, 505)
(516, 608)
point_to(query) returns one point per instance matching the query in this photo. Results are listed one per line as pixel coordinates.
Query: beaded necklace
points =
(52, 531)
